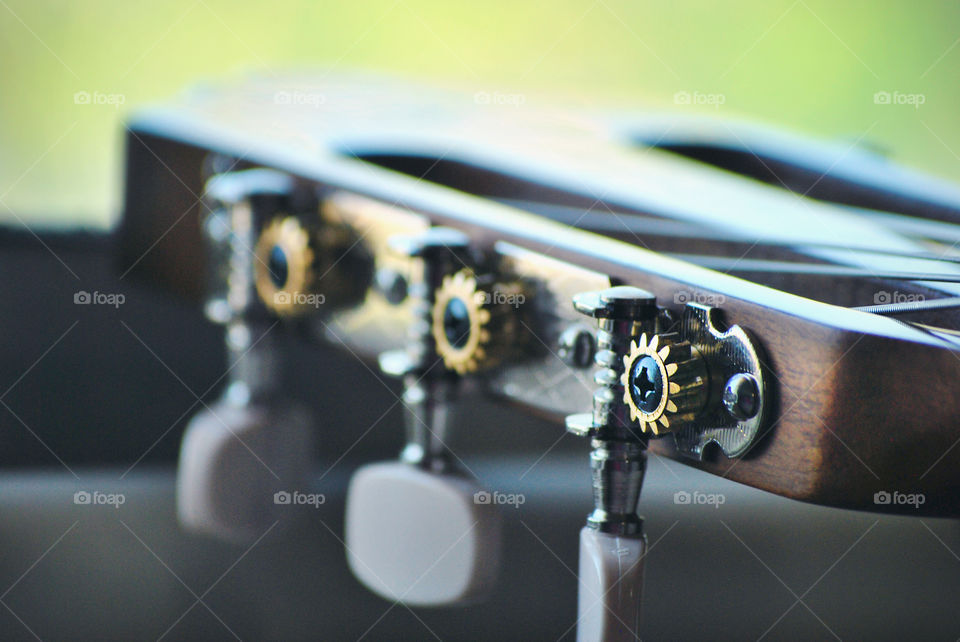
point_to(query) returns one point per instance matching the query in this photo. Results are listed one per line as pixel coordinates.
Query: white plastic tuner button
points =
(611, 579)
(233, 459)
(422, 538)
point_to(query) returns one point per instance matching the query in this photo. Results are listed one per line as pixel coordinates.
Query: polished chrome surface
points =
(618, 469)
(542, 379)
(728, 353)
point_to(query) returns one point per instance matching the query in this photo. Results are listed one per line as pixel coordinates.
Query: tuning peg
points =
(622, 313)
(611, 581)
(239, 451)
(233, 459)
(612, 544)
(421, 537)
(417, 530)
(242, 449)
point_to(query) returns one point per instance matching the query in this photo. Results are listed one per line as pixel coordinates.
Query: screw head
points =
(392, 285)
(741, 396)
(278, 267)
(646, 384)
(577, 347)
(456, 323)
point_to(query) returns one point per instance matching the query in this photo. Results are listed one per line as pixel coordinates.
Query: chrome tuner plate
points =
(728, 353)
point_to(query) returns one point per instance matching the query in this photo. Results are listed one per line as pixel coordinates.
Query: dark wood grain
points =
(861, 404)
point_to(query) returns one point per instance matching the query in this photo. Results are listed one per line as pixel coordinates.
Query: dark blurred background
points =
(96, 398)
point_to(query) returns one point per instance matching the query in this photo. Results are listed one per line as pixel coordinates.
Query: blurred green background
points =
(812, 66)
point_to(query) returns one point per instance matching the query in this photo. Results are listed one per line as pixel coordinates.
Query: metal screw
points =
(577, 347)
(392, 285)
(741, 396)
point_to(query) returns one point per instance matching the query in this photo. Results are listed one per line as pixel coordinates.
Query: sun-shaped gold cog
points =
(284, 266)
(648, 384)
(460, 321)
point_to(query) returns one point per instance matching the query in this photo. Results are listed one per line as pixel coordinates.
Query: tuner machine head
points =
(663, 378)
(703, 384)
(299, 267)
(419, 537)
(472, 327)
(284, 267)
(226, 491)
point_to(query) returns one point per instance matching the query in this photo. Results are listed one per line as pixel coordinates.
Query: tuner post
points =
(612, 543)
(223, 489)
(652, 383)
(429, 390)
(400, 513)
(618, 459)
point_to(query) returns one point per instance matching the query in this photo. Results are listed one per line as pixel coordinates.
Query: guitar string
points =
(908, 307)
(911, 227)
(654, 226)
(809, 269)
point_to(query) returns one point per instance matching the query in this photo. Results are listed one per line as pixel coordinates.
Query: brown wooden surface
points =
(861, 404)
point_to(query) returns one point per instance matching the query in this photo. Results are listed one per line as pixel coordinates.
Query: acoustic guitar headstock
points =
(638, 296)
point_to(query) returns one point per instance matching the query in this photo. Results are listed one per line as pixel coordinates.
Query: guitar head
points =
(779, 312)
(823, 273)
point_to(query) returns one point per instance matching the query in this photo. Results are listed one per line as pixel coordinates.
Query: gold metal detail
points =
(285, 234)
(471, 354)
(681, 376)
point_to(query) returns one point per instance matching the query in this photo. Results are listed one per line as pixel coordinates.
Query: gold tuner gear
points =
(284, 267)
(664, 382)
(471, 323)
